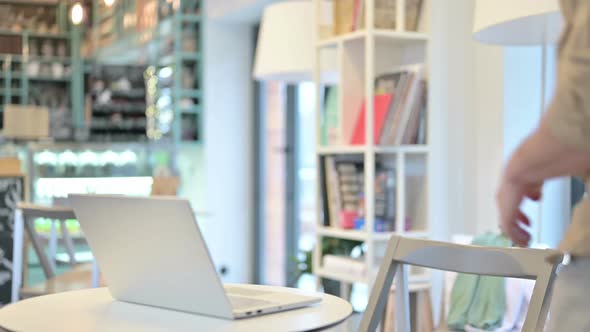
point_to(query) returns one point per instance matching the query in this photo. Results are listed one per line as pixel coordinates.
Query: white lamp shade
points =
(286, 45)
(517, 22)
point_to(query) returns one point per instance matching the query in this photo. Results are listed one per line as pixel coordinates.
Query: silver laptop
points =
(151, 251)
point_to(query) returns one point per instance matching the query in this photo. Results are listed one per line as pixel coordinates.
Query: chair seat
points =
(78, 278)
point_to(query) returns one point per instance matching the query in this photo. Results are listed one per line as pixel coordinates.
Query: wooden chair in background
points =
(80, 277)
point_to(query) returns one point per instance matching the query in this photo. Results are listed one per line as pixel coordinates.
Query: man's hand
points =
(509, 197)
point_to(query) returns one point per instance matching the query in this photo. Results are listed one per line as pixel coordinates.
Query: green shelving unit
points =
(39, 60)
(171, 45)
(185, 89)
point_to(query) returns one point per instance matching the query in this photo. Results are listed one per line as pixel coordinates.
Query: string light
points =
(109, 3)
(77, 13)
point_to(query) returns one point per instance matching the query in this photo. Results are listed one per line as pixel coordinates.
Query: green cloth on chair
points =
(478, 301)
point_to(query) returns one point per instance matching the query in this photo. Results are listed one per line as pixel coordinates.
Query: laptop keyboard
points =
(239, 302)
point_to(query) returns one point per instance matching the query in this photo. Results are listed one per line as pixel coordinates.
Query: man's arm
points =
(541, 156)
(561, 144)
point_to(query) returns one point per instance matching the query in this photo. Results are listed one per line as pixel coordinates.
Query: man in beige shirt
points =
(560, 146)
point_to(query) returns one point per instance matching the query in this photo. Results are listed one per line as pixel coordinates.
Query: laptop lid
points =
(151, 251)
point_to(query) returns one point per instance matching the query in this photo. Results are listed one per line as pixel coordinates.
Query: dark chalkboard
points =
(11, 192)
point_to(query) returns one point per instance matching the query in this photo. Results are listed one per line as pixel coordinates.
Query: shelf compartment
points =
(334, 41)
(190, 18)
(13, 75)
(49, 35)
(408, 149)
(190, 56)
(170, 59)
(166, 60)
(416, 282)
(359, 149)
(189, 94)
(339, 233)
(401, 36)
(11, 57)
(131, 94)
(123, 108)
(361, 235)
(195, 109)
(325, 273)
(49, 79)
(380, 34)
(13, 91)
(44, 59)
(344, 149)
(34, 34)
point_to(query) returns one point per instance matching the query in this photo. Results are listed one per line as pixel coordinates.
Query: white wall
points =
(487, 100)
(467, 112)
(522, 107)
(487, 133)
(466, 126)
(228, 146)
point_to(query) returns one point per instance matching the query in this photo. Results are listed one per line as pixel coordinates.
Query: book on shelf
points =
(417, 117)
(342, 190)
(331, 121)
(411, 103)
(349, 15)
(413, 13)
(358, 18)
(386, 14)
(394, 83)
(399, 109)
(381, 105)
(384, 204)
(343, 16)
(332, 191)
(324, 201)
(350, 175)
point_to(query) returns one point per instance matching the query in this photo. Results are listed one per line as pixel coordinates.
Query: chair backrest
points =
(50, 212)
(493, 261)
(29, 212)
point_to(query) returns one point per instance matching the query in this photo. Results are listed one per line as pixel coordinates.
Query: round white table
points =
(96, 310)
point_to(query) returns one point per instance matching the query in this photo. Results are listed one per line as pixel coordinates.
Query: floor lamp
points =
(285, 50)
(286, 53)
(520, 23)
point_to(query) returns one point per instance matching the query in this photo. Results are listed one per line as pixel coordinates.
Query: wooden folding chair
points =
(493, 261)
(78, 278)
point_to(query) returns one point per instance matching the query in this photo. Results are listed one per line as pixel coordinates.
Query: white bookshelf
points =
(400, 37)
(364, 235)
(344, 149)
(361, 56)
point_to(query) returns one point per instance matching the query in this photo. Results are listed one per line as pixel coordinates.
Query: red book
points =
(355, 16)
(381, 105)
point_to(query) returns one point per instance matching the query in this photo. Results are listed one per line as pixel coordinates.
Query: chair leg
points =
(53, 242)
(380, 292)
(68, 243)
(539, 303)
(345, 290)
(17, 250)
(425, 322)
(32, 233)
(402, 299)
(389, 319)
(95, 274)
